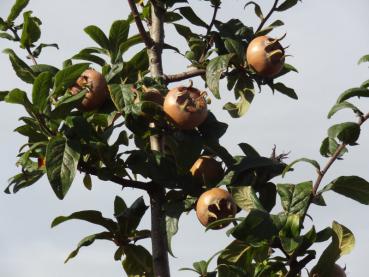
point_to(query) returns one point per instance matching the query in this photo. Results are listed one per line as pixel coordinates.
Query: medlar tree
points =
(82, 120)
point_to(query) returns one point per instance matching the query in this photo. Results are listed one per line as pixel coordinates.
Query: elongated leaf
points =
(286, 5)
(312, 162)
(138, 261)
(172, 213)
(246, 198)
(41, 46)
(116, 93)
(270, 28)
(6, 36)
(285, 90)
(23, 180)
(67, 77)
(39, 68)
(255, 229)
(329, 147)
(363, 59)
(295, 198)
(98, 36)
(62, 158)
(118, 33)
(347, 132)
(353, 92)
(31, 31)
(3, 94)
(40, 91)
(342, 243)
(190, 15)
(90, 58)
(353, 187)
(214, 70)
(23, 71)
(87, 241)
(343, 105)
(17, 96)
(17, 8)
(131, 41)
(91, 216)
(257, 9)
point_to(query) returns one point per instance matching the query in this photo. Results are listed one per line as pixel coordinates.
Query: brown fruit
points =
(186, 107)
(97, 89)
(213, 205)
(266, 56)
(208, 170)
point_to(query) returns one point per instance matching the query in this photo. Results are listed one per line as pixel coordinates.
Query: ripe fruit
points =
(41, 162)
(266, 56)
(186, 107)
(97, 89)
(215, 204)
(208, 170)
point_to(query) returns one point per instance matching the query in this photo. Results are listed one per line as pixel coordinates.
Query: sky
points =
(326, 40)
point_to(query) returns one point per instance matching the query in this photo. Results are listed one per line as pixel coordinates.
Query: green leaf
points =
(40, 91)
(343, 105)
(138, 261)
(295, 198)
(248, 150)
(90, 58)
(329, 147)
(66, 104)
(270, 28)
(257, 9)
(67, 77)
(353, 187)
(124, 46)
(363, 59)
(173, 211)
(212, 129)
(118, 34)
(39, 68)
(184, 31)
(17, 8)
(290, 232)
(190, 15)
(41, 46)
(117, 94)
(343, 241)
(98, 36)
(17, 96)
(365, 84)
(312, 162)
(353, 92)
(246, 198)
(62, 158)
(255, 229)
(214, 70)
(87, 182)
(347, 132)
(87, 241)
(91, 216)
(286, 5)
(3, 95)
(31, 31)
(285, 90)
(23, 71)
(236, 47)
(6, 36)
(23, 180)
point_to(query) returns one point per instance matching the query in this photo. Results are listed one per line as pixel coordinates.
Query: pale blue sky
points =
(326, 37)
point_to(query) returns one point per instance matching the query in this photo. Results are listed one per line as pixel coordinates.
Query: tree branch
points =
(296, 267)
(147, 40)
(30, 55)
(184, 75)
(334, 158)
(267, 16)
(83, 167)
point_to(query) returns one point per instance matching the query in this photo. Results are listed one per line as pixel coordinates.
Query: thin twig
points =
(30, 55)
(83, 167)
(334, 158)
(267, 16)
(147, 40)
(208, 30)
